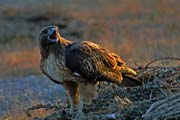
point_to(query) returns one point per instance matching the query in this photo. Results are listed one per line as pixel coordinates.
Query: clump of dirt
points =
(115, 102)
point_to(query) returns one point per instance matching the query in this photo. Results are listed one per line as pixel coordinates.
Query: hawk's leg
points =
(80, 108)
(73, 94)
(87, 92)
(72, 106)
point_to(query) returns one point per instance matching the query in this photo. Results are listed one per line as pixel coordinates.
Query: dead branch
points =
(168, 107)
(164, 58)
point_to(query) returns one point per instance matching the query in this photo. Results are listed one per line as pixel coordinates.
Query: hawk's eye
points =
(45, 32)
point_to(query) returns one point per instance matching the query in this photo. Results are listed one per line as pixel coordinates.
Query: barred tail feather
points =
(130, 81)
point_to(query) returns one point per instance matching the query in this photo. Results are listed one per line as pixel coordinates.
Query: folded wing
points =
(93, 62)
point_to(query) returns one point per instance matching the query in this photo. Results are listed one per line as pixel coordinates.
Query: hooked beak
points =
(52, 35)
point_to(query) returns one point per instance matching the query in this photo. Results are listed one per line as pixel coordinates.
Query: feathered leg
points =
(72, 106)
(81, 88)
(87, 92)
(80, 112)
(73, 94)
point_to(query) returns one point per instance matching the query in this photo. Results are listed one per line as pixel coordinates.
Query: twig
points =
(160, 108)
(164, 58)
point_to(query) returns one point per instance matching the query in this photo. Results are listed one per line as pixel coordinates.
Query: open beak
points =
(52, 35)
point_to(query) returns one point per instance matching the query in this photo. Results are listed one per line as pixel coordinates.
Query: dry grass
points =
(19, 63)
(138, 30)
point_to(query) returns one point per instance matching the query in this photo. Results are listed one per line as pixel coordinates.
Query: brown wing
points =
(93, 62)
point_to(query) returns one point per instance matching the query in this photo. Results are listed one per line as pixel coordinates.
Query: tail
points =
(130, 81)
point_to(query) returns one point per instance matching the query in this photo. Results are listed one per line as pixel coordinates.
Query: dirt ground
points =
(139, 31)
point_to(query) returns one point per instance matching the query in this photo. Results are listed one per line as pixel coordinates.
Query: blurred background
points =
(138, 31)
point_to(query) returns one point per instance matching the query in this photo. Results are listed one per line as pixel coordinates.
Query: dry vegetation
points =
(139, 31)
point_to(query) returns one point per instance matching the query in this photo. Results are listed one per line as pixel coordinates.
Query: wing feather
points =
(93, 62)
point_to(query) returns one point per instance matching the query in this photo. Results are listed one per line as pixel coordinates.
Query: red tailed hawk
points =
(79, 66)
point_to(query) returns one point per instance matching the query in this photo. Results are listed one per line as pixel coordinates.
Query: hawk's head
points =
(49, 37)
(49, 34)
